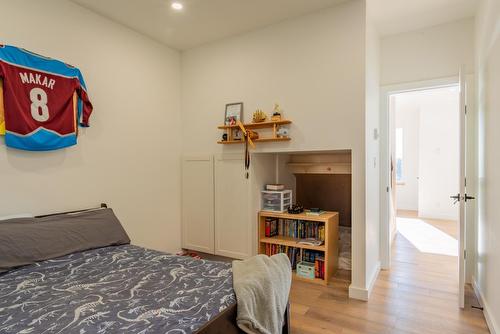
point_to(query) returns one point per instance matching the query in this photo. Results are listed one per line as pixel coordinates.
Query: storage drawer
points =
(276, 201)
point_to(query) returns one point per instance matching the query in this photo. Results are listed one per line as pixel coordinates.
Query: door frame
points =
(385, 168)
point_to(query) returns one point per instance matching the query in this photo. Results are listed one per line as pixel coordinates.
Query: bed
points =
(119, 289)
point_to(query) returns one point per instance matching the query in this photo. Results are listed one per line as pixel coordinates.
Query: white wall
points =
(407, 114)
(130, 156)
(372, 126)
(314, 66)
(487, 273)
(438, 153)
(428, 53)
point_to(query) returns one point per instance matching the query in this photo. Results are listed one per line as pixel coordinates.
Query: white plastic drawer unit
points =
(276, 201)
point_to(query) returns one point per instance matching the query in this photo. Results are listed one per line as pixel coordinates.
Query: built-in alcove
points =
(322, 180)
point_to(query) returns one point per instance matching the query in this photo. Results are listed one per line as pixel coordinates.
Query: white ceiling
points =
(397, 16)
(201, 21)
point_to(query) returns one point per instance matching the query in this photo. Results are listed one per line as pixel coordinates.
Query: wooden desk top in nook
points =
(300, 216)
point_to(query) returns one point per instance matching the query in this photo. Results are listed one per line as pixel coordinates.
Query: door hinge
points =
(466, 109)
(465, 254)
(387, 189)
(465, 182)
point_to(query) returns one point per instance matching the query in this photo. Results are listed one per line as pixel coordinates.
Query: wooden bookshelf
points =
(329, 248)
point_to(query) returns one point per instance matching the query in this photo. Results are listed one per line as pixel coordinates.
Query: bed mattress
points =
(122, 289)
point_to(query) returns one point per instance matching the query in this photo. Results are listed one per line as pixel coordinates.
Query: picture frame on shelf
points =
(234, 113)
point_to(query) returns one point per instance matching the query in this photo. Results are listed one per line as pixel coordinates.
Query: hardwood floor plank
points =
(418, 295)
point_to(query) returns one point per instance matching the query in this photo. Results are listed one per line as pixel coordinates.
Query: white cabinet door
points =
(198, 203)
(233, 232)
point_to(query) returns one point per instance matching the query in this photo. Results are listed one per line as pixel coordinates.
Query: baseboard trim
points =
(363, 293)
(373, 278)
(358, 293)
(490, 321)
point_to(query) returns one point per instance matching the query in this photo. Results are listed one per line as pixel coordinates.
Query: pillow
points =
(28, 240)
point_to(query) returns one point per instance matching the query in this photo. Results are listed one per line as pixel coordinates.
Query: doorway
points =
(420, 210)
(425, 129)
(425, 135)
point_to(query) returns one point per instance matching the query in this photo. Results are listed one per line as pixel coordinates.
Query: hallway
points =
(418, 295)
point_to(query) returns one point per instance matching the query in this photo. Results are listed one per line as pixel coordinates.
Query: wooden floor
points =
(418, 295)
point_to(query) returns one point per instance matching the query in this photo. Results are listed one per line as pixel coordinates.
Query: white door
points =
(198, 203)
(462, 196)
(233, 229)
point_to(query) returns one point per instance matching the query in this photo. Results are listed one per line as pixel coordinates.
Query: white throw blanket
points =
(262, 286)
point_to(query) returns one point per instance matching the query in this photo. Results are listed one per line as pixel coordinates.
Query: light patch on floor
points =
(427, 238)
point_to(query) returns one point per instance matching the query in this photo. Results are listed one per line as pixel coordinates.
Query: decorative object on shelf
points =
(234, 113)
(224, 137)
(259, 116)
(248, 141)
(282, 132)
(276, 113)
(252, 134)
(237, 134)
(296, 209)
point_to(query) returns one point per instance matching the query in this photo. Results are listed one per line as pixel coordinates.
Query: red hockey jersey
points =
(41, 108)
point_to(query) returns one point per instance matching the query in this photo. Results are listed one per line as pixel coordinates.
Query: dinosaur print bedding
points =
(122, 289)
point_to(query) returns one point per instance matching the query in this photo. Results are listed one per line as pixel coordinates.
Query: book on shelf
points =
(319, 268)
(271, 227)
(301, 229)
(296, 255)
(310, 242)
(293, 253)
(318, 259)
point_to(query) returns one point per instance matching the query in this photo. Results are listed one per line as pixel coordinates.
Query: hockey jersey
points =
(2, 122)
(43, 98)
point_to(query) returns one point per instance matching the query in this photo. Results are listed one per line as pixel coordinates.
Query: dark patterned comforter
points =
(123, 289)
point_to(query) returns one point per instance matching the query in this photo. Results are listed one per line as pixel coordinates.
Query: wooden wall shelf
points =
(259, 140)
(271, 125)
(261, 125)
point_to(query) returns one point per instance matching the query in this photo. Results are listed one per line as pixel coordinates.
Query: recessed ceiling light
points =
(177, 5)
